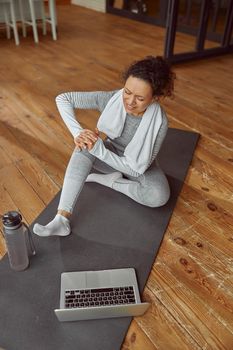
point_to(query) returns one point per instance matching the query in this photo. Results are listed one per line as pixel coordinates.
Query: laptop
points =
(88, 295)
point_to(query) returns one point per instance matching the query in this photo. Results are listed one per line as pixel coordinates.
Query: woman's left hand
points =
(86, 139)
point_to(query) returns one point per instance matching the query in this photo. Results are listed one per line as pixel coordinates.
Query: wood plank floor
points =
(190, 286)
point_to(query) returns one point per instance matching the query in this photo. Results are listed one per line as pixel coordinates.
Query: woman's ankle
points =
(64, 213)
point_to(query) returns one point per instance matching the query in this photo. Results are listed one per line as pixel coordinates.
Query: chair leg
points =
(22, 18)
(33, 18)
(52, 14)
(14, 24)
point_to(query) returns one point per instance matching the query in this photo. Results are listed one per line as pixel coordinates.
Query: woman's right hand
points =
(86, 139)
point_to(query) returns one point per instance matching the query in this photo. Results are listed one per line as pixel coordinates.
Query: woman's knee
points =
(79, 163)
(86, 153)
(155, 197)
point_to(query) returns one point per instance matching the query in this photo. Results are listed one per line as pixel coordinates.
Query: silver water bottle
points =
(18, 240)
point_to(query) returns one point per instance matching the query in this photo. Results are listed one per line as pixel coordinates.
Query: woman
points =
(135, 126)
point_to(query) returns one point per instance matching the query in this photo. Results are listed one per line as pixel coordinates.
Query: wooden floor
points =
(190, 286)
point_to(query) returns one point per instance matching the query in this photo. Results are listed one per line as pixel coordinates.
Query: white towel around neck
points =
(138, 152)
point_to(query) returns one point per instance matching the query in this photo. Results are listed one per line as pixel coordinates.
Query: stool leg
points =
(13, 18)
(24, 29)
(52, 14)
(33, 18)
(7, 22)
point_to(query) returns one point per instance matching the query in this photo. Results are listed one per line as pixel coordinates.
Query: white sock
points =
(59, 226)
(104, 179)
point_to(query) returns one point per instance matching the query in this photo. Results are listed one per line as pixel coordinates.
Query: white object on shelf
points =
(98, 5)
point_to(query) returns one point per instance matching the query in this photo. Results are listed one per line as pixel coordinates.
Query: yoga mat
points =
(109, 230)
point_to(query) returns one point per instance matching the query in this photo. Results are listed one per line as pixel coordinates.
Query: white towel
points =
(139, 151)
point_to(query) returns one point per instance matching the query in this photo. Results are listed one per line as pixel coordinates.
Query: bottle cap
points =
(11, 219)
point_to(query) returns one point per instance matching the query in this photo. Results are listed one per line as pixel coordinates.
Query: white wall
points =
(98, 5)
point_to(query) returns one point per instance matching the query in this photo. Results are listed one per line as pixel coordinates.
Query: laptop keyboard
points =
(99, 297)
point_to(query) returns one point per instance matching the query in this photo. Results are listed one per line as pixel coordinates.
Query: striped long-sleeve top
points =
(68, 102)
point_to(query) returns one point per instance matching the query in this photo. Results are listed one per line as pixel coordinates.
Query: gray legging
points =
(150, 189)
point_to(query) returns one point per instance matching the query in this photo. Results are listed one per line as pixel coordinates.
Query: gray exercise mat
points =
(109, 230)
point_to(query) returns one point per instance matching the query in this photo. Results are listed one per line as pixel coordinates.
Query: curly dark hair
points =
(156, 71)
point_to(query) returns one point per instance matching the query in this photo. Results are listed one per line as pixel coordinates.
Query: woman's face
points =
(137, 96)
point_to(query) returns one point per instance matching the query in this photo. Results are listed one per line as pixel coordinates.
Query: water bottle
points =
(18, 240)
